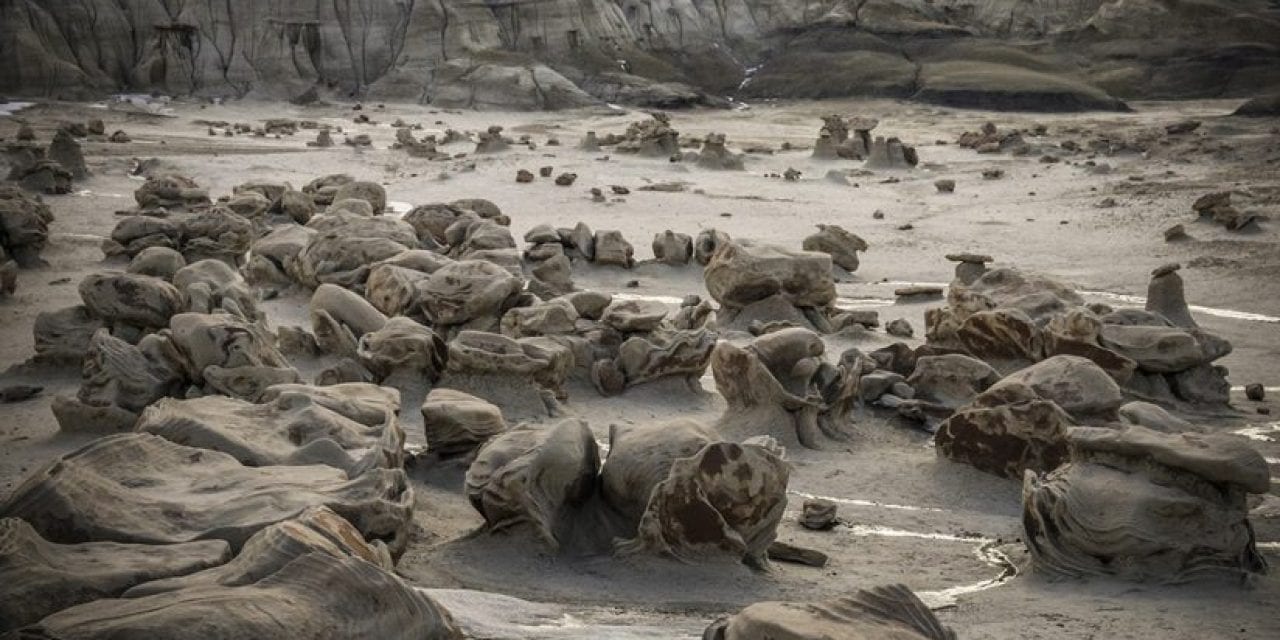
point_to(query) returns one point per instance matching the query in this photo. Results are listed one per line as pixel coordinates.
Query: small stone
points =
(945, 186)
(545, 171)
(970, 258)
(524, 176)
(920, 290)
(1255, 392)
(818, 514)
(791, 175)
(1264, 411)
(1106, 203)
(597, 195)
(906, 227)
(566, 179)
(878, 215)
(900, 328)
(620, 190)
(1174, 233)
(992, 174)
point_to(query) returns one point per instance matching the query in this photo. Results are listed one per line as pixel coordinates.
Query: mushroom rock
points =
(842, 246)
(457, 422)
(534, 476)
(1165, 296)
(290, 430)
(969, 266)
(42, 577)
(881, 613)
(1146, 506)
(722, 503)
(781, 380)
(523, 377)
(313, 596)
(142, 488)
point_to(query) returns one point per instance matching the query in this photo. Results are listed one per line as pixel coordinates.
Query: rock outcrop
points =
(1146, 506)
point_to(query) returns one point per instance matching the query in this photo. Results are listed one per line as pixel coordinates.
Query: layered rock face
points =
(1072, 55)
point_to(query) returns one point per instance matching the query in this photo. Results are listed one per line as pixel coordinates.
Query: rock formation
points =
(1146, 506)
(882, 612)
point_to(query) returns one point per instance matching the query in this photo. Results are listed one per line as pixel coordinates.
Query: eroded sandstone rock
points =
(1146, 506)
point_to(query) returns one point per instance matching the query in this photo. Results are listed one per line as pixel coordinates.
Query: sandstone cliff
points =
(539, 54)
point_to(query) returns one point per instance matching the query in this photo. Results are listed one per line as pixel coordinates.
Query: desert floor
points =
(946, 530)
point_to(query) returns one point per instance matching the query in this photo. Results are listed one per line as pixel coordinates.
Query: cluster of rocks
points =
(760, 287)
(418, 148)
(847, 138)
(653, 137)
(850, 138)
(48, 170)
(1218, 208)
(228, 482)
(24, 232)
(675, 490)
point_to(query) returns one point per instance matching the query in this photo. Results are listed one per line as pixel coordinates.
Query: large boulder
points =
(290, 430)
(1147, 506)
(141, 488)
(44, 577)
(457, 422)
(316, 596)
(723, 502)
(532, 476)
(881, 613)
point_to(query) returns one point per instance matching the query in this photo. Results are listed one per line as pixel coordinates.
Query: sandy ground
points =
(943, 529)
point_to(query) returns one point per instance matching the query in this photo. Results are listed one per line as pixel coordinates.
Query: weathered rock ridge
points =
(546, 54)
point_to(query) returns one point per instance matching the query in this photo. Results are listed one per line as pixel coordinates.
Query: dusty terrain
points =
(946, 530)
